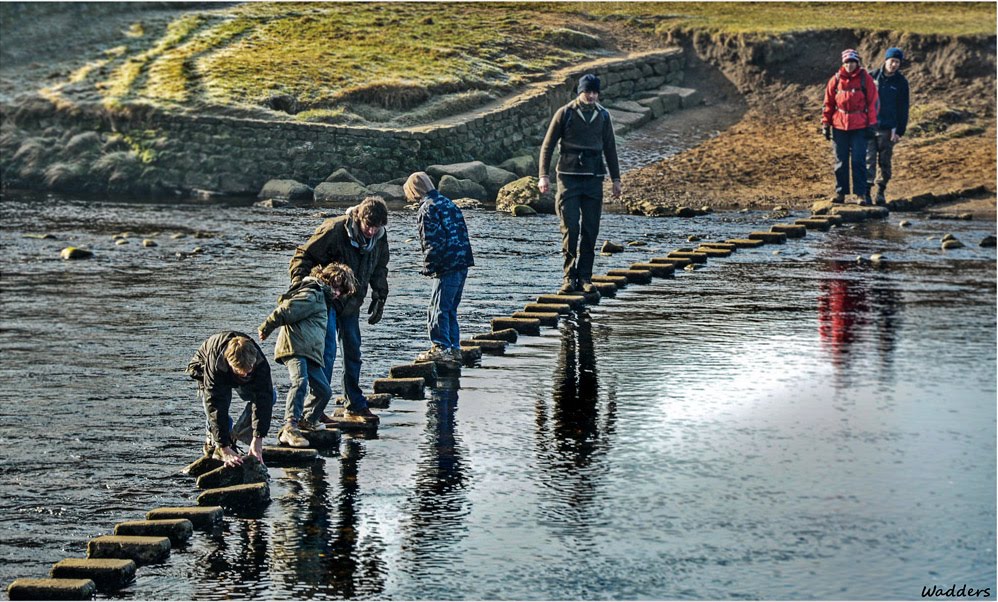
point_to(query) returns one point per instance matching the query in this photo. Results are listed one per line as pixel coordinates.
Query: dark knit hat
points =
(588, 83)
(895, 53)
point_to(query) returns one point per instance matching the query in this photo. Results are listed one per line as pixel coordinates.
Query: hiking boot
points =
(865, 200)
(881, 198)
(207, 449)
(567, 287)
(311, 425)
(435, 353)
(589, 288)
(365, 413)
(455, 354)
(325, 419)
(839, 199)
(291, 436)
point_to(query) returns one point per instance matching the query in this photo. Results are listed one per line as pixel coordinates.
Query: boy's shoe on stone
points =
(455, 354)
(434, 354)
(325, 419)
(567, 287)
(311, 425)
(365, 413)
(589, 288)
(292, 436)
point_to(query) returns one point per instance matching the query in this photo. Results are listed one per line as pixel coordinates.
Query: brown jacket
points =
(331, 242)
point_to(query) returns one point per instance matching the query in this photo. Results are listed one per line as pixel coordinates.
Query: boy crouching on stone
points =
(225, 362)
(446, 258)
(302, 315)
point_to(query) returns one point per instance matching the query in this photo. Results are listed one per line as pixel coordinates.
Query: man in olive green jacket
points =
(360, 241)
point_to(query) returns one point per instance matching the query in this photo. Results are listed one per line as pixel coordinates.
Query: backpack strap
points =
(862, 86)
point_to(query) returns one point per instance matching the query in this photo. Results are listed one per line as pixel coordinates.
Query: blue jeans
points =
(347, 330)
(305, 376)
(441, 317)
(850, 150)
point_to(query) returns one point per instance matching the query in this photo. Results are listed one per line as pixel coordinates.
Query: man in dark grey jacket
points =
(892, 121)
(583, 127)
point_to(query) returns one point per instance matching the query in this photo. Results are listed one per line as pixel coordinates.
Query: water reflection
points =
(858, 313)
(237, 564)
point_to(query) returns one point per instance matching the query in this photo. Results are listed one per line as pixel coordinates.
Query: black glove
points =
(376, 310)
(826, 131)
(871, 132)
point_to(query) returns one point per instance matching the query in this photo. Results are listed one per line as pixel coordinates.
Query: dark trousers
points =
(579, 205)
(879, 153)
(850, 150)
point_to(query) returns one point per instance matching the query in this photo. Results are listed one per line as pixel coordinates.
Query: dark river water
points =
(776, 426)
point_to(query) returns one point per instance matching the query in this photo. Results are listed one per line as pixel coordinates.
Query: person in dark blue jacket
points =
(892, 120)
(446, 258)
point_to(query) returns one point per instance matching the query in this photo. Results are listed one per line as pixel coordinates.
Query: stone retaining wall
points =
(235, 155)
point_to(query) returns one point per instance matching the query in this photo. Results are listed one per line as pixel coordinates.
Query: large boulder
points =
(286, 190)
(454, 188)
(524, 165)
(495, 179)
(340, 192)
(476, 171)
(524, 192)
(342, 175)
(389, 192)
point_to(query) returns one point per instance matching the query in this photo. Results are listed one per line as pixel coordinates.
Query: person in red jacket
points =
(849, 117)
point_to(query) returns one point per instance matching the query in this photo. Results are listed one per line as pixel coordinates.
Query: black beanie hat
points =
(588, 83)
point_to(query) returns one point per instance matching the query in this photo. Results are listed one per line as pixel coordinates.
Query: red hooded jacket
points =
(846, 106)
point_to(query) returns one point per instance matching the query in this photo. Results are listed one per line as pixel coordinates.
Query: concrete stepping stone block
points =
(675, 262)
(545, 318)
(250, 471)
(791, 230)
(592, 298)
(618, 281)
(179, 530)
(520, 325)
(719, 245)
(486, 346)
(279, 455)
(470, 355)
(51, 589)
(250, 495)
(201, 465)
(406, 388)
(378, 401)
(746, 243)
(658, 270)
(633, 276)
(769, 237)
(606, 289)
(106, 573)
(425, 370)
(354, 423)
(327, 438)
(814, 224)
(545, 308)
(143, 549)
(508, 335)
(201, 517)
(858, 213)
(576, 301)
(713, 252)
(693, 256)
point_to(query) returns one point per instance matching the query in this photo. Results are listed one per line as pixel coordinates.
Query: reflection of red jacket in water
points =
(841, 308)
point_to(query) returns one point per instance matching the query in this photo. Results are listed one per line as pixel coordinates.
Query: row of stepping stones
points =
(112, 560)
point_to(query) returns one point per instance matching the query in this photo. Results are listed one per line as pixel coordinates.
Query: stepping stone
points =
(106, 573)
(592, 298)
(675, 262)
(521, 326)
(425, 370)
(378, 401)
(508, 335)
(201, 465)
(179, 530)
(719, 245)
(658, 270)
(576, 301)
(815, 224)
(545, 308)
(327, 438)
(713, 252)
(858, 213)
(618, 281)
(141, 549)
(406, 388)
(471, 355)
(635, 276)
(746, 243)
(278, 456)
(201, 517)
(354, 423)
(769, 237)
(606, 289)
(51, 589)
(250, 471)
(486, 346)
(691, 255)
(250, 495)
(545, 318)
(791, 230)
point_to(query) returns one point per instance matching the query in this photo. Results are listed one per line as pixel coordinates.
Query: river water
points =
(779, 426)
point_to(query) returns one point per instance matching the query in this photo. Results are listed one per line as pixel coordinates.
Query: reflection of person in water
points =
(846, 305)
(237, 565)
